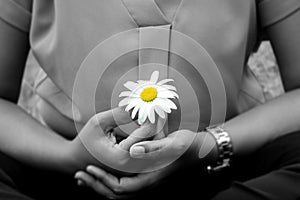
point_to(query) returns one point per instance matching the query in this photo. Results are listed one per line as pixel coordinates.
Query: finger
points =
(159, 136)
(139, 182)
(111, 137)
(99, 187)
(161, 124)
(123, 186)
(126, 129)
(143, 132)
(111, 118)
(148, 149)
(126, 184)
(80, 183)
(108, 179)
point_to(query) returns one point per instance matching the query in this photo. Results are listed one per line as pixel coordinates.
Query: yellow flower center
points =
(148, 94)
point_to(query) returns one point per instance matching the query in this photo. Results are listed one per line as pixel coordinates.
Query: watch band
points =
(224, 146)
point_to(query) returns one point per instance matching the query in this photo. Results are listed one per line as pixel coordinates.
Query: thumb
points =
(148, 149)
(143, 132)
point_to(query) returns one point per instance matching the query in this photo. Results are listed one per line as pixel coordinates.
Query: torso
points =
(63, 38)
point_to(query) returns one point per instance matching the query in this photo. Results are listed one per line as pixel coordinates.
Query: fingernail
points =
(137, 151)
(88, 168)
(80, 183)
(76, 175)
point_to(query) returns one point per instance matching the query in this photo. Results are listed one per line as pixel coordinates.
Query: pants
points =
(273, 172)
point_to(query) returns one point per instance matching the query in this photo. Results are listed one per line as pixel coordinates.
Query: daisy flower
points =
(149, 97)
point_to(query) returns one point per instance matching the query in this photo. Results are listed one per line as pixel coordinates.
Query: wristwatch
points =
(224, 146)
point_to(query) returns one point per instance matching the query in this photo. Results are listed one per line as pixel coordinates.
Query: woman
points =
(64, 37)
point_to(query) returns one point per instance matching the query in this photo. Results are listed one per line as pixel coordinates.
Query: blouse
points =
(88, 49)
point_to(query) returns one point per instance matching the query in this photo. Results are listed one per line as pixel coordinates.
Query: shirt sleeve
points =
(17, 13)
(273, 11)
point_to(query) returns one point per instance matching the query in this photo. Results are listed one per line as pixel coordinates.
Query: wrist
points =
(224, 148)
(79, 157)
(75, 158)
(71, 161)
(203, 150)
(207, 150)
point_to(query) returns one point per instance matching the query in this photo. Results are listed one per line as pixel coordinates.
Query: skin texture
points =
(30, 142)
(249, 131)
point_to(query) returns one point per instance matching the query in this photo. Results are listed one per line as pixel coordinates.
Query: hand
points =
(108, 185)
(189, 146)
(163, 151)
(118, 153)
(113, 187)
(167, 149)
(94, 146)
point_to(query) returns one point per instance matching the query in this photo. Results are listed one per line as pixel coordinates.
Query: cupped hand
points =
(186, 147)
(167, 151)
(114, 187)
(96, 145)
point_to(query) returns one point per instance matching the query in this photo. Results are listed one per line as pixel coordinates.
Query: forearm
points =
(26, 140)
(251, 130)
(255, 128)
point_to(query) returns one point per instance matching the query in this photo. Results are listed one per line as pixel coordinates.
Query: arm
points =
(280, 116)
(26, 140)
(249, 131)
(21, 136)
(253, 129)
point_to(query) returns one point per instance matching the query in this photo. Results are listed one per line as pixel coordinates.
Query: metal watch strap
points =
(224, 146)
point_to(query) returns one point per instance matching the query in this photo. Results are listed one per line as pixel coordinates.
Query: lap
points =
(10, 193)
(8, 189)
(271, 172)
(18, 181)
(283, 183)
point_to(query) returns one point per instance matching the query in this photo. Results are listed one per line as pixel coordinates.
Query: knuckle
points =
(111, 196)
(118, 189)
(94, 121)
(93, 184)
(114, 197)
(122, 161)
(180, 146)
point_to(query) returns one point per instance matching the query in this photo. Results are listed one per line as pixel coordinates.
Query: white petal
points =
(125, 94)
(160, 111)
(144, 117)
(138, 90)
(154, 76)
(141, 87)
(169, 87)
(142, 114)
(167, 109)
(142, 81)
(131, 85)
(164, 81)
(140, 121)
(124, 102)
(163, 106)
(151, 114)
(175, 94)
(132, 103)
(167, 94)
(169, 103)
(136, 109)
